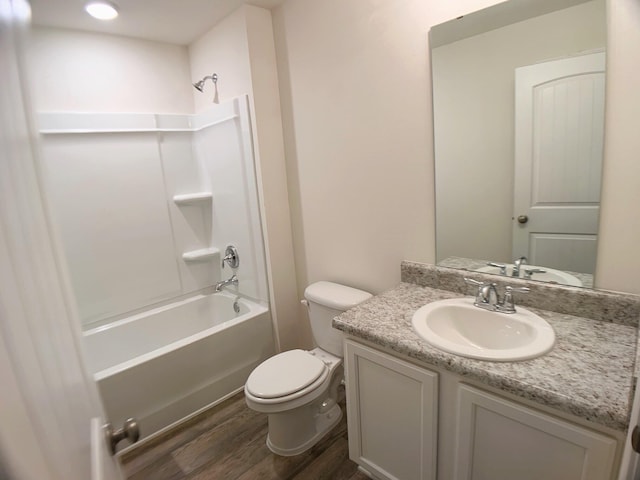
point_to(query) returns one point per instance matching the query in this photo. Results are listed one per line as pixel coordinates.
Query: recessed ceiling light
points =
(102, 10)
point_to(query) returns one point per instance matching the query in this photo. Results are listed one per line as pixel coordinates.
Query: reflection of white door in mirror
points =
(558, 161)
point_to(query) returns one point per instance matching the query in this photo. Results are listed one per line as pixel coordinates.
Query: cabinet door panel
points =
(498, 439)
(392, 415)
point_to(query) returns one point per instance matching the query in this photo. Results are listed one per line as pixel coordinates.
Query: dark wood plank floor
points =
(228, 442)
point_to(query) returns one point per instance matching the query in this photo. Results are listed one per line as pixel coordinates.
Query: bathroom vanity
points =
(416, 412)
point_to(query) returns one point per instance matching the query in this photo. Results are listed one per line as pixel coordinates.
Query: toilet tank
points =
(327, 300)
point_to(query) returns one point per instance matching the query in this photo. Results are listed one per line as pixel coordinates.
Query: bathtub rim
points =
(256, 308)
(137, 314)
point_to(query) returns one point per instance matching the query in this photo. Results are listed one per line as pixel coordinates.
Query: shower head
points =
(199, 85)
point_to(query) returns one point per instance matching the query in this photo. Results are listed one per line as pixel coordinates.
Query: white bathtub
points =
(164, 364)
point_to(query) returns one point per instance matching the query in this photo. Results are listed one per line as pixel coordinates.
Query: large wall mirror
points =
(518, 94)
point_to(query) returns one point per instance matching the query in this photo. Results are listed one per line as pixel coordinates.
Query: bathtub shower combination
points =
(144, 206)
(171, 361)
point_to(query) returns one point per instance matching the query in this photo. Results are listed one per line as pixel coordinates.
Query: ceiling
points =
(173, 21)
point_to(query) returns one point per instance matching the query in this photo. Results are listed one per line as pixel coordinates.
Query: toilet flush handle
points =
(305, 303)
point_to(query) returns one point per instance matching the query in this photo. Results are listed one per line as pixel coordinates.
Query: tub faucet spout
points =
(232, 281)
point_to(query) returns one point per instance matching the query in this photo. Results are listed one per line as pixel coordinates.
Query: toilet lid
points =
(284, 374)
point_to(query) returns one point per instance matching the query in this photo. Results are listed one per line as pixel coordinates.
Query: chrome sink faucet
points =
(517, 264)
(487, 296)
(224, 283)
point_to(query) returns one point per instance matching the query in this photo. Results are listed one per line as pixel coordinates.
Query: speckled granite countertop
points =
(589, 373)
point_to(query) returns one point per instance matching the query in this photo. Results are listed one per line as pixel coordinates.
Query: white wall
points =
(222, 50)
(618, 264)
(90, 72)
(474, 111)
(241, 51)
(355, 89)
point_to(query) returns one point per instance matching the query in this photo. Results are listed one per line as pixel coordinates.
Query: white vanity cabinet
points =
(393, 416)
(501, 440)
(392, 409)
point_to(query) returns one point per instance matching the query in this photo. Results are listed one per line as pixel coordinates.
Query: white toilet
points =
(298, 388)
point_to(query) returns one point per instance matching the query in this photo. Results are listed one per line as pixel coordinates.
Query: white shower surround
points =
(160, 344)
(111, 178)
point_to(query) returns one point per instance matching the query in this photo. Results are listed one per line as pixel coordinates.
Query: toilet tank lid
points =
(334, 295)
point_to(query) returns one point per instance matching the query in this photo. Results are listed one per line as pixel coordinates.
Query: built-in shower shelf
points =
(192, 198)
(201, 255)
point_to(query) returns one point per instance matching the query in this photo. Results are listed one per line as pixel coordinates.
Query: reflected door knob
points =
(523, 219)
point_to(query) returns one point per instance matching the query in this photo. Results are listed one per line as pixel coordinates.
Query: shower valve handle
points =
(231, 257)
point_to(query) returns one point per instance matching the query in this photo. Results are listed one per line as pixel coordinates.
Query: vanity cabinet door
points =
(392, 415)
(501, 440)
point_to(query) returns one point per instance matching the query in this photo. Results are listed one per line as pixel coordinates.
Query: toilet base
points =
(324, 422)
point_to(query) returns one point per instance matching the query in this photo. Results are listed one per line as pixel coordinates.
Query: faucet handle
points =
(475, 283)
(507, 305)
(501, 266)
(510, 289)
(528, 272)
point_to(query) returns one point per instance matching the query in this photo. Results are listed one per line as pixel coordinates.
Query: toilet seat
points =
(285, 375)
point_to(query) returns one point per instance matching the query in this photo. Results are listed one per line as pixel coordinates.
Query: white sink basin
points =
(550, 275)
(457, 326)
